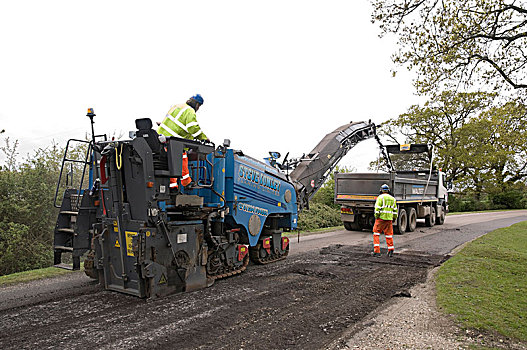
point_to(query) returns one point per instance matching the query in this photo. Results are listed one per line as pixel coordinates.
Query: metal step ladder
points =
(65, 231)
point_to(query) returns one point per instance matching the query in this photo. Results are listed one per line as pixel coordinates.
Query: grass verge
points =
(485, 284)
(31, 275)
(480, 211)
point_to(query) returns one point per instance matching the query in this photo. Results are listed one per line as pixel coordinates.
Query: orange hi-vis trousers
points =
(185, 178)
(382, 226)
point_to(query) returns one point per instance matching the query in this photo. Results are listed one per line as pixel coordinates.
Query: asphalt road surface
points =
(326, 286)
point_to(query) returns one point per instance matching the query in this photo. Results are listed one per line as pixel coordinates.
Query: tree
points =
(326, 194)
(453, 42)
(27, 214)
(480, 146)
(496, 147)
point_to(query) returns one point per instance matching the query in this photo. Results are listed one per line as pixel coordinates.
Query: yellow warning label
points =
(115, 229)
(129, 235)
(163, 279)
(117, 245)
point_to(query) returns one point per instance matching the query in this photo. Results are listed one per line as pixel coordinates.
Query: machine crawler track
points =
(89, 269)
(233, 272)
(255, 254)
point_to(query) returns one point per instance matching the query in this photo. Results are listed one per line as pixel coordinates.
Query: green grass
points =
(485, 284)
(31, 275)
(479, 211)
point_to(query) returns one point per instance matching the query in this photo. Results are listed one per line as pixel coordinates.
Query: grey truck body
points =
(420, 194)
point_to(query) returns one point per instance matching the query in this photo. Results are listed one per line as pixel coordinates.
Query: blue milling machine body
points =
(141, 237)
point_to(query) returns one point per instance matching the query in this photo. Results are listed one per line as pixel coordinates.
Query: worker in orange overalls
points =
(385, 214)
(181, 121)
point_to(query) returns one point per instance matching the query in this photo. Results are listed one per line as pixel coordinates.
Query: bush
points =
(27, 214)
(319, 216)
(511, 199)
(508, 200)
(20, 251)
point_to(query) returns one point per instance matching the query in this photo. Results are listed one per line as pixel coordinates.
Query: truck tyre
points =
(412, 219)
(430, 220)
(441, 218)
(367, 224)
(402, 222)
(351, 226)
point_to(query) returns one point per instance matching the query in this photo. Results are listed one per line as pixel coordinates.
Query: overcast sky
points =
(275, 75)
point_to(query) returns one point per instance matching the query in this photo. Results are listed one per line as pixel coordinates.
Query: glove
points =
(162, 138)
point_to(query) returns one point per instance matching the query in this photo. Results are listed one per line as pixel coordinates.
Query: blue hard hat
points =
(385, 188)
(198, 98)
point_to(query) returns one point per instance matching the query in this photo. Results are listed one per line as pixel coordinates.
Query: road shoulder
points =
(408, 323)
(415, 322)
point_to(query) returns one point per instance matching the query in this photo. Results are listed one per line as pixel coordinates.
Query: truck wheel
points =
(370, 223)
(402, 222)
(441, 218)
(352, 226)
(430, 220)
(412, 219)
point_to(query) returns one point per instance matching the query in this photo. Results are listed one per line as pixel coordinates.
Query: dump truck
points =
(420, 193)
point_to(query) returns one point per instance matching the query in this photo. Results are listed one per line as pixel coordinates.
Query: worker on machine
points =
(385, 214)
(181, 121)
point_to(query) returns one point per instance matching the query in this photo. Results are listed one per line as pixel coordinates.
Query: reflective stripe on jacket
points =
(386, 207)
(181, 121)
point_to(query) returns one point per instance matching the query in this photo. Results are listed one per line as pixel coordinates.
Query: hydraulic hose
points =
(429, 176)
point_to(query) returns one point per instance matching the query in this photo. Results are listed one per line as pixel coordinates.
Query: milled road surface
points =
(325, 287)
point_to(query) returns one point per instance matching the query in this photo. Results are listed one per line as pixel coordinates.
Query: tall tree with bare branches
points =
(459, 43)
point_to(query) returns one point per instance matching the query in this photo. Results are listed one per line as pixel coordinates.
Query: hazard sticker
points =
(129, 236)
(117, 245)
(163, 279)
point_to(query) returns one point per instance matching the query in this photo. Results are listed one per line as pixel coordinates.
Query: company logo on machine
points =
(418, 189)
(252, 209)
(253, 177)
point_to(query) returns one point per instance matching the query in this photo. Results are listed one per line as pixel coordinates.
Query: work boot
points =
(390, 253)
(376, 255)
(190, 185)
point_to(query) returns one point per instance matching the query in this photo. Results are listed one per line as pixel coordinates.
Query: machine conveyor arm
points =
(313, 169)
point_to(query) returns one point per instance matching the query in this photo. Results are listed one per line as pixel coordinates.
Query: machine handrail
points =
(64, 160)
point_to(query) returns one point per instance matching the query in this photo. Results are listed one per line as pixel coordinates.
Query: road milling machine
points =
(143, 238)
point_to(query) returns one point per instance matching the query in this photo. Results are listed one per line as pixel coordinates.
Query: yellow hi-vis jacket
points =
(386, 207)
(181, 121)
